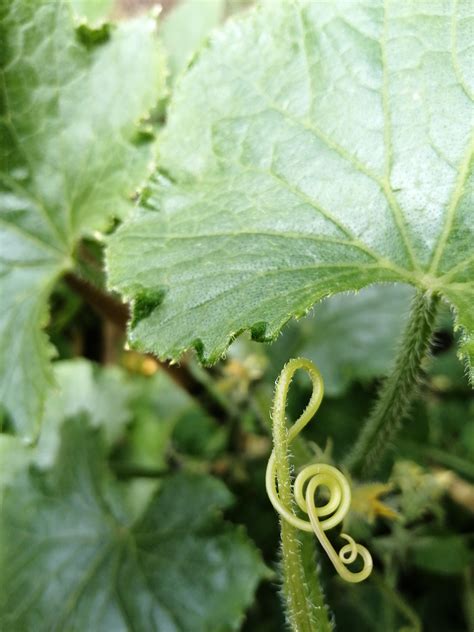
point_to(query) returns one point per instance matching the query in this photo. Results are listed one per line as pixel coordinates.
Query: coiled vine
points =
(309, 480)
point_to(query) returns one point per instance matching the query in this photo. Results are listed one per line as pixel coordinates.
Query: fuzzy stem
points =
(311, 570)
(397, 392)
(399, 602)
(303, 615)
(298, 606)
(299, 609)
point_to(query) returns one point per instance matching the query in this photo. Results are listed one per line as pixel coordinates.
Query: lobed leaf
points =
(73, 559)
(71, 154)
(312, 148)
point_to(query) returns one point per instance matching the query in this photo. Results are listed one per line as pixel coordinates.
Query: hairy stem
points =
(397, 392)
(298, 605)
(303, 615)
(101, 302)
(311, 570)
(398, 602)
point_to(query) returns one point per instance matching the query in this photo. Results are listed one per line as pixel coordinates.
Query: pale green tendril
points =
(311, 478)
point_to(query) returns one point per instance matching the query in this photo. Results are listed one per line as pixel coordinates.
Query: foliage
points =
(300, 196)
(365, 325)
(304, 157)
(72, 154)
(184, 29)
(176, 567)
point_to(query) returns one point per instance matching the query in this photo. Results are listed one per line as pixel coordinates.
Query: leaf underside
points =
(349, 337)
(311, 148)
(185, 27)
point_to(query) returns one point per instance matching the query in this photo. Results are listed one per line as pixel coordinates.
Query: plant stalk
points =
(398, 391)
(303, 615)
(118, 313)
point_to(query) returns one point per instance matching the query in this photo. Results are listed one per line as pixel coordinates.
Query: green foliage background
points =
(132, 490)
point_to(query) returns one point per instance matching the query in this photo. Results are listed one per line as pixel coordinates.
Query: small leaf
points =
(69, 115)
(71, 558)
(420, 491)
(443, 554)
(311, 148)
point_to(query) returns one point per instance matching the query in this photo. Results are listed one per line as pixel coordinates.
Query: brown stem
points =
(102, 303)
(110, 308)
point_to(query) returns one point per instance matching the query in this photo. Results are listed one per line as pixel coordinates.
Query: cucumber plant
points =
(175, 183)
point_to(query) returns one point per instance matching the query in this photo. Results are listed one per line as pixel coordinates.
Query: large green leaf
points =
(72, 559)
(312, 148)
(71, 154)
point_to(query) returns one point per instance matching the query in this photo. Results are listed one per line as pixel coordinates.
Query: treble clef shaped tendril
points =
(306, 484)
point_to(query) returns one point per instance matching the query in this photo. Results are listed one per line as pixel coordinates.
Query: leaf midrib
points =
(463, 171)
(454, 55)
(418, 272)
(80, 588)
(333, 145)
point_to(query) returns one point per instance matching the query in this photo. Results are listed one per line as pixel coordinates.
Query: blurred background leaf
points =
(72, 558)
(350, 337)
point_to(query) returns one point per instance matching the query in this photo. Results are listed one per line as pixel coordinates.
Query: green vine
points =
(398, 390)
(281, 493)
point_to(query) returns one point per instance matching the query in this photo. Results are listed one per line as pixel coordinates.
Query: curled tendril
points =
(311, 478)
